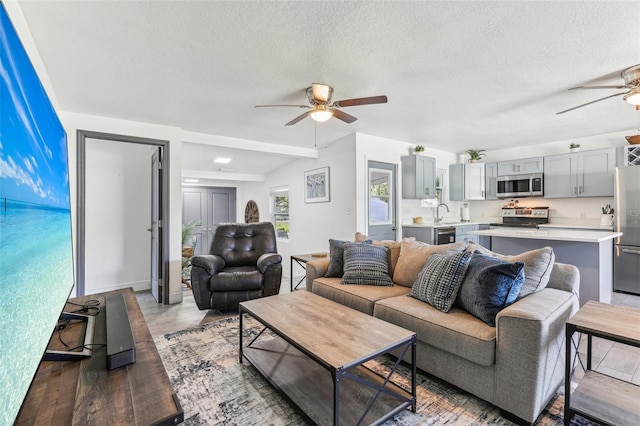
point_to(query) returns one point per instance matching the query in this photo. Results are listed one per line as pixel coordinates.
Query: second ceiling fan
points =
(321, 108)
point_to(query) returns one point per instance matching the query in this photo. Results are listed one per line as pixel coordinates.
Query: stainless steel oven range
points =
(523, 217)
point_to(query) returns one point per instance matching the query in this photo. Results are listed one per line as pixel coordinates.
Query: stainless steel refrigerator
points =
(626, 256)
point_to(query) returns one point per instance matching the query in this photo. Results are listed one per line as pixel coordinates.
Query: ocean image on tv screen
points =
(36, 261)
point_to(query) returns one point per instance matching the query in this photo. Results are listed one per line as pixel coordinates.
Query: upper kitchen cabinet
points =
(581, 174)
(466, 181)
(521, 167)
(491, 181)
(418, 177)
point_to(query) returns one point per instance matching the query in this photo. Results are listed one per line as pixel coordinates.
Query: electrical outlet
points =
(348, 211)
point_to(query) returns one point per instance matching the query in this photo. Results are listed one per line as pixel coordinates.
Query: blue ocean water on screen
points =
(35, 256)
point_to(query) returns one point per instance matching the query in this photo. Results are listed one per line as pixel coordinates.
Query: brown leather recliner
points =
(243, 264)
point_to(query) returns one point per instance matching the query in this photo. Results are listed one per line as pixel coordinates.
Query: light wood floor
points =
(615, 359)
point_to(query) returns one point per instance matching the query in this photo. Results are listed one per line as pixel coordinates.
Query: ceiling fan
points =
(631, 77)
(321, 108)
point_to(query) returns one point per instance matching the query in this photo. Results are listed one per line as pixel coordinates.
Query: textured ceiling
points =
(458, 75)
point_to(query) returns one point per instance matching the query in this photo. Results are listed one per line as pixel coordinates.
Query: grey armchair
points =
(243, 264)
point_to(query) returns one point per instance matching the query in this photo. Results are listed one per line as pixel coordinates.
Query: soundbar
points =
(121, 348)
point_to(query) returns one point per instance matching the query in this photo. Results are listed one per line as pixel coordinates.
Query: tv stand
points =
(56, 355)
(85, 392)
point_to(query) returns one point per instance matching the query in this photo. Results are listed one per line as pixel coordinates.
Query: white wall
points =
(74, 122)
(118, 213)
(311, 225)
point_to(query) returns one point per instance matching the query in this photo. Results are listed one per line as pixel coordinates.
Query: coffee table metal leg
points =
(240, 333)
(337, 376)
(414, 344)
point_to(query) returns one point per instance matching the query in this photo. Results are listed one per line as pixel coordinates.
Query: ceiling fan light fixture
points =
(633, 98)
(321, 113)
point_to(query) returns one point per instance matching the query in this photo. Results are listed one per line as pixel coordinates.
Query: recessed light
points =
(222, 160)
(191, 180)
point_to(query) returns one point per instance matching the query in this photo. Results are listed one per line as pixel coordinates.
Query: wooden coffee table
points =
(317, 354)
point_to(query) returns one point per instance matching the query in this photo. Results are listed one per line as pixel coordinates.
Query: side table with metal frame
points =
(301, 260)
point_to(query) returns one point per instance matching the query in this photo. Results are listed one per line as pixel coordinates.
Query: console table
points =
(84, 392)
(599, 397)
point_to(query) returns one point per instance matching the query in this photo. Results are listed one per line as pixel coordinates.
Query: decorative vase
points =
(574, 149)
(473, 161)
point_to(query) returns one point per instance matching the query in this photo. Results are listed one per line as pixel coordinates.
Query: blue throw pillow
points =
(366, 264)
(439, 280)
(489, 286)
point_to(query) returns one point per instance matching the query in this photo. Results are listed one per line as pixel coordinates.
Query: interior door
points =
(221, 208)
(381, 200)
(156, 224)
(208, 207)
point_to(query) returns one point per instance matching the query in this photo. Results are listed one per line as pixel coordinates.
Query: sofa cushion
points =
(392, 245)
(537, 266)
(457, 331)
(336, 258)
(366, 264)
(490, 285)
(413, 256)
(440, 278)
(359, 297)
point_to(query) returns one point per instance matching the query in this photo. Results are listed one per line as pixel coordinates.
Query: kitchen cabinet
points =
(420, 233)
(462, 233)
(466, 181)
(522, 166)
(491, 181)
(418, 177)
(581, 174)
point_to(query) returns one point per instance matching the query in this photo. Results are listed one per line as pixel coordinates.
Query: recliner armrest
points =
(267, 260)
(210, 262)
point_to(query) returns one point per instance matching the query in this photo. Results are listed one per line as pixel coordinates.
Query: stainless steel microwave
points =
(520, 186)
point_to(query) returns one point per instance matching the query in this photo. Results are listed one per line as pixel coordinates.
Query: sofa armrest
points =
(530, 351)
(316, 269)
(565, 277)
(210, 262)
(267, 260)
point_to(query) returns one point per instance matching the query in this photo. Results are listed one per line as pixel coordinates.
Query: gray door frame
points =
(378, 231)
(81, 161)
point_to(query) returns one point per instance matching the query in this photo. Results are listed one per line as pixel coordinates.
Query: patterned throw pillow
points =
(440, 278)
(490, 285)
(366, 264)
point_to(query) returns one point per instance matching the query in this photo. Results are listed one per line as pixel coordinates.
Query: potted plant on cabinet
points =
(418, 150)
(475, 154)
(574, 147)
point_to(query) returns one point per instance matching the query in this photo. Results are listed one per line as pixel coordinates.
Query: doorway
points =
(207, 207)
(116, 244)
(381, 195)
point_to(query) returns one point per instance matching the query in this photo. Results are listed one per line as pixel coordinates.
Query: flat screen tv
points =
(36, 259)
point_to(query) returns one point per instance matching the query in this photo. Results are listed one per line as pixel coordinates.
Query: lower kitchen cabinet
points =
(462, 233)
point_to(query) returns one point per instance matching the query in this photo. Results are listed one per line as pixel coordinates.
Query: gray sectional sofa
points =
(518, 365)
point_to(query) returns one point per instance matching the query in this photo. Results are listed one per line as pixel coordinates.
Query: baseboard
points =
(137, 286)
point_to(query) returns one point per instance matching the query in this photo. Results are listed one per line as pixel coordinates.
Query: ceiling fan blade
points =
(321, 92)
(269, 106)
(361, 101)
(593, 102)
(340, 115)
(297, 119)
(599, 87)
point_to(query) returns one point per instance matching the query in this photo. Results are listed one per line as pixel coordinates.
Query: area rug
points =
(215, 389)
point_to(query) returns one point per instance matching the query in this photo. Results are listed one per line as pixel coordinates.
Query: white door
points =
(381, 200)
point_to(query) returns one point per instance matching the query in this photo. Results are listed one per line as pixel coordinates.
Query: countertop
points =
(557, 234)
(565, 226)
(440, 225)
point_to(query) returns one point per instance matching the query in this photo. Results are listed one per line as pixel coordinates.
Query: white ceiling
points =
(458, 75)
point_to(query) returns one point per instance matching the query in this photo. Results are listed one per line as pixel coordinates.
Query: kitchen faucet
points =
(437, 217)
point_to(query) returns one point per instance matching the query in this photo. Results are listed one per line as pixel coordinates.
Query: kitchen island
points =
(591, 251)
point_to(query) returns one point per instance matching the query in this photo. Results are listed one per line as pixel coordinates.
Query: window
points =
(280, 209)
(379, 196)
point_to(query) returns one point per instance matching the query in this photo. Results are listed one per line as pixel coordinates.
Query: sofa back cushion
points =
(413, 256)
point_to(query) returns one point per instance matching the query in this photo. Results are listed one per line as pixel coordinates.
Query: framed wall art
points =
(317, 185)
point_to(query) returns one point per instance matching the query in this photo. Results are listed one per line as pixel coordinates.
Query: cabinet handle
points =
(580, 189)
(426, 191)
(629, 251)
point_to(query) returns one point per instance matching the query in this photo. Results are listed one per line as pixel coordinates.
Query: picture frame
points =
(317, 185)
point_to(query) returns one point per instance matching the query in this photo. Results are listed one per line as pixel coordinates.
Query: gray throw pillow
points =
(335, 269)
(490, 285)
(366, 264)
(440, 278)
